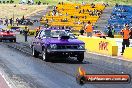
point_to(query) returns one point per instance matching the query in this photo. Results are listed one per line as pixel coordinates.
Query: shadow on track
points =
(66, 60)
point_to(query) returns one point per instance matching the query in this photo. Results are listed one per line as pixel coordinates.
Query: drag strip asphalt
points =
(29, 72)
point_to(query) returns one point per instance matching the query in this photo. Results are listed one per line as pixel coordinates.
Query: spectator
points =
(116, 5)
(38, 29)
(80, 11)
(47, 21)
(39, 2)
(89, 29)
(62, 3)
(126, 35)
(54, 11)
(83, 3)
(95, 12)
(21, 31)
(29, 2)
(76, 7)
(36, 2)
(7, 2)
(6, 22)
(17, 21)
(11, 1)
(65, 20)
(1, 21)
(83, 22)
(66, 14)
(111, 32)
(26, 33)
(85, 17)
(11, 21)
(22, 20)
(46, 25)
(131, 34)
(107, 4)
(3, 2)
(92, 5)
(83, 10)
(81, 32)
(79, 22)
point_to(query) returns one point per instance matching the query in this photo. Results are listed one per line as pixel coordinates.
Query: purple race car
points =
(57, 42)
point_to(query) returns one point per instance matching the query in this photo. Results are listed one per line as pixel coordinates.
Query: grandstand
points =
(120, 15)
(74, 15)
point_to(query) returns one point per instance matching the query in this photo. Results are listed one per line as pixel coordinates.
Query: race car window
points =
(57, 33)
(42, 34)
(45, 33)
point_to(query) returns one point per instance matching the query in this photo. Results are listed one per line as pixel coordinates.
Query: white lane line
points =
(7, 80)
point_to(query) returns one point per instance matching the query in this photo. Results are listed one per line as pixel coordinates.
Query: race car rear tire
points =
(34, 52)
(45, 55)
(80, 57)
(0, 40)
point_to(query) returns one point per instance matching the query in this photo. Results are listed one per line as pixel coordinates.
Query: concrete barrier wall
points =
(128, 53)
(100, 45)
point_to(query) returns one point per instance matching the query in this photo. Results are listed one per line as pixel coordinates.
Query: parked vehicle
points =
(7, 35)
(25, 22)
(53, 42)
(98, 33)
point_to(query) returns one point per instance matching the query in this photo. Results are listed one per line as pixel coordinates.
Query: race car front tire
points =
(34, 52)
(45, 55)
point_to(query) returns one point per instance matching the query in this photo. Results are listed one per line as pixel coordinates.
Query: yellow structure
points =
(128, 53)
(100, 45)
(32, 32)
(23, 27)
(73, 15)
(118, 36)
